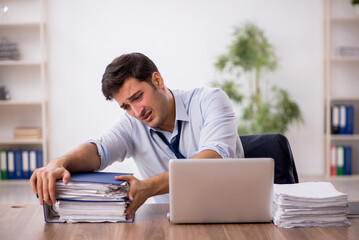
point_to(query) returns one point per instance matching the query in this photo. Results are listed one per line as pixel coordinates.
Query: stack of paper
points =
(91, 191)
(90, 197)
(73, 211)
(310, 204)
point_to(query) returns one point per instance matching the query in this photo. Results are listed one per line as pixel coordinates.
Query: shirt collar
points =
(181, 113)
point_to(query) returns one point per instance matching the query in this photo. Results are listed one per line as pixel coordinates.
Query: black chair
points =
(275, 146)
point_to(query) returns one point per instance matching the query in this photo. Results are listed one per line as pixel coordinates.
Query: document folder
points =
(77, 202)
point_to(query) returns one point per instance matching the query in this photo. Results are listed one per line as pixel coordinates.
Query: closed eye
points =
(125, 107)
(138, 97)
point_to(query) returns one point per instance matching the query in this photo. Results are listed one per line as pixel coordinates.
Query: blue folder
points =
(98, 177)
(348, 160)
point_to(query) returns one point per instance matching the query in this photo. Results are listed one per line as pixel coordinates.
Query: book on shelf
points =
(19, 164)
(342, 119)
(347, 160)
(9, 50)
(335, 119)
(27, 133)
(350, 119)
(341, 160)
(11, 165)
(347, 51)
(3, 164)
(333, 160)
(89, 197)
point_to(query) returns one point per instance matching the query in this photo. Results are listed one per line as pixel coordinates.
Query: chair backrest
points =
(275, 146)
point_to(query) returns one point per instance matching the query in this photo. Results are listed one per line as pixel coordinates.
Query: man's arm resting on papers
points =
(140, 191)
(84, 158)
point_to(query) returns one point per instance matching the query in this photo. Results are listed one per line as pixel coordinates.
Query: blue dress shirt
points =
(208, 123)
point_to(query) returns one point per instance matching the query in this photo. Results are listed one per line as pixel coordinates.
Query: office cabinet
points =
(23, 27)
(341, 84)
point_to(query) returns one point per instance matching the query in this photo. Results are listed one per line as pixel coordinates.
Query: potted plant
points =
(262, 109)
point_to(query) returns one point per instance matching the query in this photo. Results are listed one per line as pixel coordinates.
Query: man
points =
(158, 125)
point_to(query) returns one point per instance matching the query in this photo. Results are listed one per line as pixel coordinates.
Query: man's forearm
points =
(83, 158)
(158, 184)
(207, 154)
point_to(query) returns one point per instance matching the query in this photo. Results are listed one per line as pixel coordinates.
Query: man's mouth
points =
(147, 116)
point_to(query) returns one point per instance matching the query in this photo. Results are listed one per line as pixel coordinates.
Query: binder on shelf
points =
(26, 173)
(32, 160)
(18, 164)
(107, 204)
(342, 119)
(39, 159)
(10, 165)
(335, 119)
(3, 164)
(347, 160)
(340, 160)
(349, 128)
(333, 160)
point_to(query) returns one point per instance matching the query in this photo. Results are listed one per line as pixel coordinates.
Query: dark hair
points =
(135, 65)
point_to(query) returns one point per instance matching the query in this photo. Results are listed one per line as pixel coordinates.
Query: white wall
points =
(183, 38)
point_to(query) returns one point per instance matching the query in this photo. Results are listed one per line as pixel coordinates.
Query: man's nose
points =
(137, 110)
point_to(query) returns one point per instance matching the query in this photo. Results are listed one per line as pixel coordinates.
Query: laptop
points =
(221, 190)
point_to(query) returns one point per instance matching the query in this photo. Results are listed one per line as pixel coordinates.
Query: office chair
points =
(275, 146)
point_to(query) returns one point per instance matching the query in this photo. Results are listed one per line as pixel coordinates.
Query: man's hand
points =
(138, 193)
(83, 158)
(43, 182)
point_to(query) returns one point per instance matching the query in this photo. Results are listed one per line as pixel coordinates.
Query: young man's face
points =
(146, 103)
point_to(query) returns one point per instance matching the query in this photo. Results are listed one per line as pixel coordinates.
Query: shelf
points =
(348, 137)
(344, 19)
(340, 75)
(20, 24)
(18, 103)
(345, 59)
(20, 141)
(344, 99)
(19, 63)
(345, 177)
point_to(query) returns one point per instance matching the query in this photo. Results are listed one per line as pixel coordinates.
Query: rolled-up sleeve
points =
(115, 144)
(219, 131)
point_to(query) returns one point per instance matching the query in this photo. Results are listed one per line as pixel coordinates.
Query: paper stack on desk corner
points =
(309, 204)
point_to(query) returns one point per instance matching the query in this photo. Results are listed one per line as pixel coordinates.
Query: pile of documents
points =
(310, 204)
(83, 191)
(90, 197)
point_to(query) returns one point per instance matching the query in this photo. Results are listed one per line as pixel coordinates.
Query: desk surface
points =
(151, 223)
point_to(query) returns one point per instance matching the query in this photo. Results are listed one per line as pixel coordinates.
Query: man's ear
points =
(157, 80)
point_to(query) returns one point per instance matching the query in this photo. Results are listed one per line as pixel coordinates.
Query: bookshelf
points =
(24, 23)
(341, 77)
